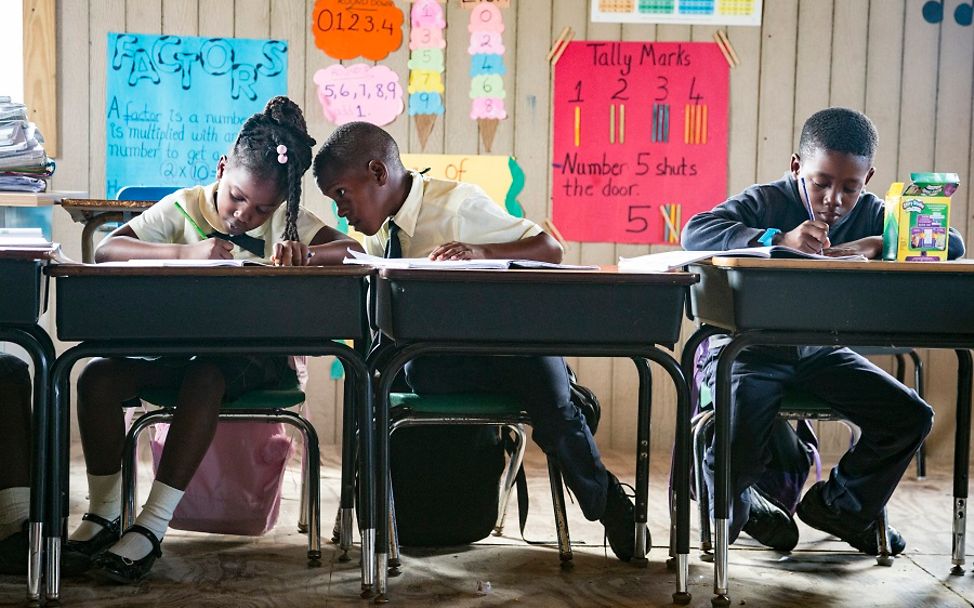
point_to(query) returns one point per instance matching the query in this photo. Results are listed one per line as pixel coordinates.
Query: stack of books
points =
(24, 165)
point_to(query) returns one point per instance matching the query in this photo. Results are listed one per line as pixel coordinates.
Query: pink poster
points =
(640, 139)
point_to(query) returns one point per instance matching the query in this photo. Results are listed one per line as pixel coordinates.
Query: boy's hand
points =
(459, 251)
(210, 249)
(290, 253)
(869, 247)
(809, 236)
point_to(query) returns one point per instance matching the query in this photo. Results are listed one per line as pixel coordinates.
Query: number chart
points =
(699, 12)
(346, 29)
(640, 139)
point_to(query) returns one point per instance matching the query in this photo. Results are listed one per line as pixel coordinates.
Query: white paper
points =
(357, 257)
(670, 260)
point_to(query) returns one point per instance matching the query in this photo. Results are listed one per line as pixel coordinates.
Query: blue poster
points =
(174, 104)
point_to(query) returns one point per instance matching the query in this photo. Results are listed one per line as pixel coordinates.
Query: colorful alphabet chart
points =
(371, 93)
(640, 139)
(487, 70)
(346, 29)
(703, 12)
(426, 66)
(174, 104)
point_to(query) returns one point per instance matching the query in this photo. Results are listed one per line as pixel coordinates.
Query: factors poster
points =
(174, 104)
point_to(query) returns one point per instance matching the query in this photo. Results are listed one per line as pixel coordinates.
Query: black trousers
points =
(541, 385)
(893, 419)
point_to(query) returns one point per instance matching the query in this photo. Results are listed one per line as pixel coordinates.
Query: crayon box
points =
(917, 219)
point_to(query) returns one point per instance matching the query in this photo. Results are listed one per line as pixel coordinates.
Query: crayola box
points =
(918, 217)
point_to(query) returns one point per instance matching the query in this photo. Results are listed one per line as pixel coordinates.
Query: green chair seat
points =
(456, 404)
(261, 399)
(795, 402)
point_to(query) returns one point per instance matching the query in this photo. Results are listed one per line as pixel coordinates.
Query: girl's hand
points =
(455, 250)
(290, 253)
(809, 236)
(210, 249)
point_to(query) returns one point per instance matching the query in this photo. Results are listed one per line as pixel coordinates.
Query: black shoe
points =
(620, 521)
(117, 569)
(813, 511)
(770, 524)
(77, 554)
(13, 552)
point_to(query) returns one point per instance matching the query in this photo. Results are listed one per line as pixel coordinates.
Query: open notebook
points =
(669, 260)
(356, 257)
(157, 263)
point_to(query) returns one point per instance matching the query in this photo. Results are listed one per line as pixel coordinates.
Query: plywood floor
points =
(222, 571)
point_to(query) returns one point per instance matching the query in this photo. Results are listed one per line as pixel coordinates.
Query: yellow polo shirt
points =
(437, 211)
(162, 222)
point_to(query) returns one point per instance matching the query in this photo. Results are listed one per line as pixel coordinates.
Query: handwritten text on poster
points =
(638, 125)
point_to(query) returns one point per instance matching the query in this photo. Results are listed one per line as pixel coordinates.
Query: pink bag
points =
(237, 488)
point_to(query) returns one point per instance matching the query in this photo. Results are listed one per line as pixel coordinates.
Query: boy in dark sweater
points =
(828, 175)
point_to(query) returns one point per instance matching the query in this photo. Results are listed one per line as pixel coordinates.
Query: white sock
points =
(156, 514)
(104, 499)
(14, 510)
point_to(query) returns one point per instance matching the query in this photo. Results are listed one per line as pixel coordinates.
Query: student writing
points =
(834, 160)
(405, 214)
(242, 215)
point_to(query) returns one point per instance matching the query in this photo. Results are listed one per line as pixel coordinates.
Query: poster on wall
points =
(500, 176)
(640, 139)
(346, 29)
(174, 104)
(697, 12)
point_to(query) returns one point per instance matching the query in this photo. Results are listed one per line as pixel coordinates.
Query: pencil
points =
(622, 123)
(612, 124)
(808, 202)
(191, 221)
(578, 125)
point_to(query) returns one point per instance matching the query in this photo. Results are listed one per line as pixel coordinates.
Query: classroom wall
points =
(913, 78)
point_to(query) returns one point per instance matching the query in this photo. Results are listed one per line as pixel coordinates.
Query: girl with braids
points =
(242, 215)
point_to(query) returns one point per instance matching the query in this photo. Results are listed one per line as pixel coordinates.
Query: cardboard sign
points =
(346, 29)
(174, 104)
(500, 176)
(637, 126)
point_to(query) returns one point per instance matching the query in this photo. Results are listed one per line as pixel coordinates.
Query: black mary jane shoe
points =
(117, 569)
(77, 555)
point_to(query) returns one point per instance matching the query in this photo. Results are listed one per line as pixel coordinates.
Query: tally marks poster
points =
(174, 104)
(640, 139)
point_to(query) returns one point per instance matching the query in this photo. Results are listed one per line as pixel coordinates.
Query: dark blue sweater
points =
(739, 220)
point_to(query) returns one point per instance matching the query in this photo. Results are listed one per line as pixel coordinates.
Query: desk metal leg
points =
(962, 450)
(642, 457)
(722, 466)
(41, 351)
(367, 478)
(347, 501)
(681, 465)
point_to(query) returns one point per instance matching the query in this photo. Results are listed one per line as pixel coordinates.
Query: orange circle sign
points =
(345, 29)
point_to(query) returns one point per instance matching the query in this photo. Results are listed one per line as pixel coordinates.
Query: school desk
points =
(833, 303)
(129, 311)
(94, 213)
(534, 312)
(24, 286)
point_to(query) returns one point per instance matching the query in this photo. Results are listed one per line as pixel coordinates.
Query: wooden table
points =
(131, 310)
(94, 213)
(535, 312)
(830, 302)
(24, 286)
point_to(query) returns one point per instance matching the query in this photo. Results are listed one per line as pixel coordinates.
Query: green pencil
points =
(191, 221)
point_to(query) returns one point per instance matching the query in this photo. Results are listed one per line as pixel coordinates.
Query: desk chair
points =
(265, 405)
(501, 411)
(797, 405)
(144, 193)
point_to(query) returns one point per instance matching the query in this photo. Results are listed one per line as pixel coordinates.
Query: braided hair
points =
(274, 144)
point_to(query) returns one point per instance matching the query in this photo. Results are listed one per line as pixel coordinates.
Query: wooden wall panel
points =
(40, 74)
(913, 78)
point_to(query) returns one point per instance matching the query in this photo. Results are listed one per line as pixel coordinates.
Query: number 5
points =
(635, 216)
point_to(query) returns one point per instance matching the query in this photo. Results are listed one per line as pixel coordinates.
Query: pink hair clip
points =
(282, 154)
